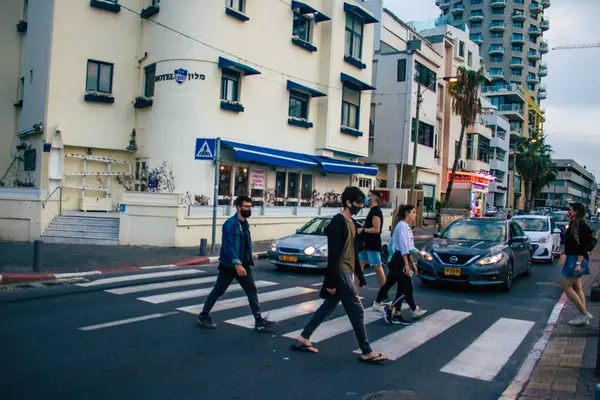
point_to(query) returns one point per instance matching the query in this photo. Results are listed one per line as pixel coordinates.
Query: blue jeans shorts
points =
(568, 269)
(370, 257)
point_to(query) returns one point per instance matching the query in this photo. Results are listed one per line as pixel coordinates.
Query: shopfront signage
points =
(257, 179)
(470, 177)
(180, 76)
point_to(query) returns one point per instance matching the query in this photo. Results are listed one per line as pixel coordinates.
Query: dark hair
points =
(352, 194)
(579, 210)
(241, 200)
(400, 213)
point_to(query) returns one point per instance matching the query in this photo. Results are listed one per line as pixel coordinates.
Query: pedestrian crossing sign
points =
(205, 149)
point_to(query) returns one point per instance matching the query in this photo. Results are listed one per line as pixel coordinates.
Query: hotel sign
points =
(180, 76)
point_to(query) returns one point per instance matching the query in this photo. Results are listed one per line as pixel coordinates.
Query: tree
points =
(535, 165)
(466, 104)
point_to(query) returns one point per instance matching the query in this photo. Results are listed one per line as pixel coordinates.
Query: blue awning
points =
(304, 89)
(333, 166)
(264, 155)
(225, 63)
(304, 8)
(355, 82)
(366, 16)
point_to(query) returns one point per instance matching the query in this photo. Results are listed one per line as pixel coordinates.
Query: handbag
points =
(592, 244)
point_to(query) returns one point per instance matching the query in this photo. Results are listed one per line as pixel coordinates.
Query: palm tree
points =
(535, 165)
(466, 104)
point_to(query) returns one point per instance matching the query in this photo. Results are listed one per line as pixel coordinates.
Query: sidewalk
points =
(566, 369)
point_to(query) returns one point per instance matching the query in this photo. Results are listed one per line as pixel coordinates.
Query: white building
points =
(102, 94)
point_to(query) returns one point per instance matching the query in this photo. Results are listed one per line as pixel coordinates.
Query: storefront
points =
(471, 190)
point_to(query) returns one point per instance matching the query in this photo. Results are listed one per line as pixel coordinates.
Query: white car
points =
(544, 236)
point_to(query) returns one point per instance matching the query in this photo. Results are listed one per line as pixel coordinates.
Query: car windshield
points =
(532, 224)
(489, 231)
(315, 227)
(560, 217)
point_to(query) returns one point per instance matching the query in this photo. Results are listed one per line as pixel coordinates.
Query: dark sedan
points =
(478, 251)
(561, 220)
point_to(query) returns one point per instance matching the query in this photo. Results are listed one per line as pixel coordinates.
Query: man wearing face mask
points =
(235, 262)
(343, 267)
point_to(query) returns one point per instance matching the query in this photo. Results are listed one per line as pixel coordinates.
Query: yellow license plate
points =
(452, 271)
(289, 259)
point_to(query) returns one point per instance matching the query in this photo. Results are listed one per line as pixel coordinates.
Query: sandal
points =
(377, 359)
(307, 348)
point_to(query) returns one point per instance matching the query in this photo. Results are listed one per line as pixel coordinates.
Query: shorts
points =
(568, 269)
(370, 257)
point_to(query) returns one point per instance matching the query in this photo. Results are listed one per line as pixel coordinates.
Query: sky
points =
(573, 103)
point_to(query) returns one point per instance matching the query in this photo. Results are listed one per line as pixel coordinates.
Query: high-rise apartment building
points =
(510, 37)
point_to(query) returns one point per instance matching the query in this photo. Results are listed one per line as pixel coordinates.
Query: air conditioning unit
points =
(463, 165)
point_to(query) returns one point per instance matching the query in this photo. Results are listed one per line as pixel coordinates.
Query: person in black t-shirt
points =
(371, 237)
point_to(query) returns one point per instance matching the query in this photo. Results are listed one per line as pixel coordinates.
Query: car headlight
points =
(273, 246)
(425, 255)
(322, 251)
(545, 239)
(491, 260)
(309, 251)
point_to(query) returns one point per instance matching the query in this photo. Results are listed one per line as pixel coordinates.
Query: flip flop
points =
(303, 347)
(374, 360)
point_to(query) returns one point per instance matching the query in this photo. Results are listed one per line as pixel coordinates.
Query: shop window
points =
(306, 193)
(241, 181)
(292, 188)
(280, 183)
(257, 183)
(150, 72)
(225, 185)
(230, 85)
(350, 107)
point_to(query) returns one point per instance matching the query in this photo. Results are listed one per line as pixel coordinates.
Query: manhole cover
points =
(398, 395)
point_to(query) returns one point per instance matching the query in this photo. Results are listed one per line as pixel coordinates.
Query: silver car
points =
(307, 248)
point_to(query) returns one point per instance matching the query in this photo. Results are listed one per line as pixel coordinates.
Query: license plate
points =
(452, 271)
(289, 258)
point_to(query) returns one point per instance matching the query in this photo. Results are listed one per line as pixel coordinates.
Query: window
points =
(425, 76)
(307, 187)
(497, 35)
(280, 183)
(29, 160)
(531, 86)
(516, 60)
(292, 187)
(517, 47)
(150, 72)
(364, 183)
(532, 63)
(230, 85)
(298, 105)
(21, 90)
(471, 146)
(518, 24)
(475, 25)
(476, 1)
(519, 1)
(354, 35)
(517, 36)
(155, 2)
(457, 150)
(426, 134)
(241, 182)
(225, 184)
(350, 107)
(496, 58)
(301, 27)
(483, 149)
(470, 59)
(498, 11)
(496, 71)
(235, 4)
(516, 72)
(531, 75)
(533, 40)
(461, 49)
(402, 70)
(99, 76)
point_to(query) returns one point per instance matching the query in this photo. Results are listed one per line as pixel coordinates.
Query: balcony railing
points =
(544, 47)
(545, 25)
(519, 15)
(458, 9)
(516, 128)
(536, 7)
(497, 3)
(497, 26)
(496, 49)
(476, 15)
(534, 31)
(511, 108)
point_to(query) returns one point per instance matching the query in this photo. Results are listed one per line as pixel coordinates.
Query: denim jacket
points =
(232, 246)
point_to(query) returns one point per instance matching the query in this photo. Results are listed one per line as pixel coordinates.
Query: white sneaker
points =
(587, 318)
(377, 306)
(418, 313)
(579, 321)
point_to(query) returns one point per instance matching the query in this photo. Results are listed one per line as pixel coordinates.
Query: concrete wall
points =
(21, 217)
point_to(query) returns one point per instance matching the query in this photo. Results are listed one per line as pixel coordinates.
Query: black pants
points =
(348, 295)
(396, 275)
(225, 278)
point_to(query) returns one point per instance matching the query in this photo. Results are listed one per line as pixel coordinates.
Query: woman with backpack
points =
(579, 241)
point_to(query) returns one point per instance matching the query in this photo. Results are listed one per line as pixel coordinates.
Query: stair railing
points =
(59, 188)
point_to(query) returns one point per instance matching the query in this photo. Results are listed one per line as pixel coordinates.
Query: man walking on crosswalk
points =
(343, 267)
(235, 262)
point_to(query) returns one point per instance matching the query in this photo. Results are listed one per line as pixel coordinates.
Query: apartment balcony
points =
(496, 49)
(533, 79)
(497, 75)
(519, 15)
(517, 39)
(544, 47)
(443, 4)
(497, 26)
(476, 16)
(534, 55)
(543, 71)
(534, 31)
(497, 3)
(546, 3)
(536, 7)
(542, 95)
(499, 165)
(517, 64)
(458, 9)
(545, 25)
(513, 93)
(513, 112)
(515, 129)
(477, 38)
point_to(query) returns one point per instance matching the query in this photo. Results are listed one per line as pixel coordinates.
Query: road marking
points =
(159, 266)
(409, 338)
(280, 314)
(162, 285)
(317, 284)
(137, 277)
(126, 321)
(486, 356)
(242, 301)
(77, 274)
(190, 294)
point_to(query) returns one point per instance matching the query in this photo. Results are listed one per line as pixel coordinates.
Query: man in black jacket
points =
(342, 268)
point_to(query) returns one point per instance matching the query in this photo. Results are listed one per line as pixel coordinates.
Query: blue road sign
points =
(205, 149)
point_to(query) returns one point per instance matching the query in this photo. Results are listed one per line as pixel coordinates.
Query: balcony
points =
(544, 47)
(497, 75)
(519, 15)
(458, 9)
(497, 3)
(443, 4)
(497, 26)
(475, 16)
(546, 3)
(533, 79)
(496, 49)
(517, 39)
(534, 31)
(542, 94)
(536, 7)
(545, 25)
(513, 112)
(515, 129)
(518, 63)
(477, 38)
(543, 71)
(534, 55)
(512, 92)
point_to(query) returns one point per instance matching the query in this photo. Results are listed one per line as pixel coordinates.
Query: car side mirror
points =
(518, 239)
(556, 230)
(436, 235)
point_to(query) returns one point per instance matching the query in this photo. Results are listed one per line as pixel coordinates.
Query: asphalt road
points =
(46, 355)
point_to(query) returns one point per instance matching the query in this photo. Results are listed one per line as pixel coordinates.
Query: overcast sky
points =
(573, 104)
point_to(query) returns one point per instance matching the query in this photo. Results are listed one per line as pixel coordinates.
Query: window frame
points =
(431, 74)
(427, 137)
(149, 69)
(347, 106)
(241, 4)
(401, 75)
(353, 35)
(302, 98)
(226, 76)
(301, 18)
(100, 64)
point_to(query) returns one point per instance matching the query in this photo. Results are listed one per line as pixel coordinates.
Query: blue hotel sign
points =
(180, 76)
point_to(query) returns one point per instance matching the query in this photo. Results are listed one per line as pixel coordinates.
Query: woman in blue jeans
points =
(577, 262)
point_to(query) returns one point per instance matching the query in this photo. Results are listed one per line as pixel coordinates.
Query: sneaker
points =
(377, 306)
(206, 321)
(399, 320)
(579, 321)
(418, 313)
(386, 302)
(388, 315)
(587, 317)
(263, 324)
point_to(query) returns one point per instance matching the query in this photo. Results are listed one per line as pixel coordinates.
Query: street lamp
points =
(514, 168)
(451, 79)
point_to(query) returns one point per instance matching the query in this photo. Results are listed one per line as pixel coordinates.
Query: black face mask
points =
(246, 213)
(355, 209)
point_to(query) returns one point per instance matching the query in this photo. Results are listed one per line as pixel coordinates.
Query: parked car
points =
(544, 236)
(561, 220)
(477, 251)
(307, 248)
(499, 215)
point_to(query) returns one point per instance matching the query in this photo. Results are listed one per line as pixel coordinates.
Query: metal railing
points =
(59, 188)
(511, 107)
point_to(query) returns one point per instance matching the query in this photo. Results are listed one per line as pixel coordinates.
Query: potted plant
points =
(98, 97)
(143, 102)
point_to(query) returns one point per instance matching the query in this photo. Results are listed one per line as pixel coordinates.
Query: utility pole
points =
(413, 194)
(213, 244)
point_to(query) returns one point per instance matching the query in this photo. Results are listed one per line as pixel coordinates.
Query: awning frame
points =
(291, 85)
(361, 12)
(304, 8)
(226, 63)
(355, 82)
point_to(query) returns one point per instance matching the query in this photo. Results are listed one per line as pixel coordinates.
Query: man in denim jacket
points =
(235, 262)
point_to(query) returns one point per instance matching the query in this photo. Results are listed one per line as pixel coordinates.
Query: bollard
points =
(202, 251)
(37, 255)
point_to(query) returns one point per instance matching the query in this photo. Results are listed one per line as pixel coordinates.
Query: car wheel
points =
(528, 269)
(508, 281)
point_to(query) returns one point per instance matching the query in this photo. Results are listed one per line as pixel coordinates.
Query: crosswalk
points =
(482, 359)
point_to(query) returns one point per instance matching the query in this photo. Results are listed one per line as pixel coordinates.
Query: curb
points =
(35, 277)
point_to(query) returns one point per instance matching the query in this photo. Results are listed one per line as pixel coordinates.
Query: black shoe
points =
(388, 315)
(399, 320)
(206, 321)
(263, 324)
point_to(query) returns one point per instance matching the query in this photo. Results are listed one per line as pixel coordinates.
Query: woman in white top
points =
(401, 269)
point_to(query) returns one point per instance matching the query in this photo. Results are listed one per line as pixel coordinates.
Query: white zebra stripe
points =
(190, 294)
(280, 314)
(138, 277)
(162, 285)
